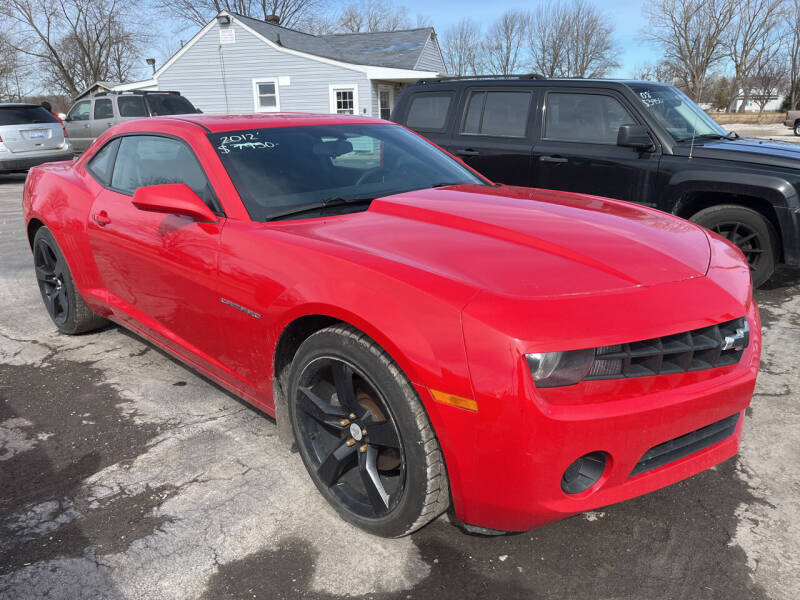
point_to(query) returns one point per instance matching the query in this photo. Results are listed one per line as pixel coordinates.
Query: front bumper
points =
(11, 162)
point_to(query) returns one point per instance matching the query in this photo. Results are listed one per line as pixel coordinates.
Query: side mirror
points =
(634, 136)
(63, 117)
(173, 198)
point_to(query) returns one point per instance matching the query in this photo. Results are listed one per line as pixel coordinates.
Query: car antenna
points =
(694, 132)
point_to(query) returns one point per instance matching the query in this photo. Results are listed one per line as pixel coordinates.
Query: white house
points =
(238, 64)
(773, 98)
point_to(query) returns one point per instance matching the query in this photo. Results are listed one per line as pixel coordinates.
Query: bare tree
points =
(373, 15)
(571, 39)
(766, 82)
(793, 50)
(752, 34)
(660, 71)
(460, 46)
(14, 72)
(292, 13)
(75, 42)
(690, 35)
(503, 44)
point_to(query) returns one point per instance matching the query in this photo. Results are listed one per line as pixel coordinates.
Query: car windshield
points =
(169, 104)
(23, 115)
(282, 170)
(676, 113)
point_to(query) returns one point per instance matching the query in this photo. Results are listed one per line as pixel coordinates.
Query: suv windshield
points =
(280, 171)
(168, 104)
(23, 115)
(675, 112)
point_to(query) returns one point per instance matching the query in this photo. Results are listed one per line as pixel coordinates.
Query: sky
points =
(625, 15)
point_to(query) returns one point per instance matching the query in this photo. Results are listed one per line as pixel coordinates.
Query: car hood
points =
(522, 242)
(751, 150)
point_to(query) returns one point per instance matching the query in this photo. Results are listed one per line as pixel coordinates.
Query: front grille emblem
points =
(738, 340)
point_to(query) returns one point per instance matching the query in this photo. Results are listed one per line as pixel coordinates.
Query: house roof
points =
(107, 85)
(394, 49)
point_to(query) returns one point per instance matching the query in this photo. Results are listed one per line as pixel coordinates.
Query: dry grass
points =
(765, 118)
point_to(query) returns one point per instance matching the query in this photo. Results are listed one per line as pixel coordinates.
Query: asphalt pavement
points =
(125, 475)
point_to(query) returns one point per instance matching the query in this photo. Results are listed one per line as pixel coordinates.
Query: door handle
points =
(467, 152)
(86, 125)
(101, 218)
(553, 159)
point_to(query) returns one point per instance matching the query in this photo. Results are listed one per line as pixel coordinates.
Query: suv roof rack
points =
(467, 77)
(134, 92)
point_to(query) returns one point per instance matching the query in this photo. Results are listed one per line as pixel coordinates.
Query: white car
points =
(30, 136)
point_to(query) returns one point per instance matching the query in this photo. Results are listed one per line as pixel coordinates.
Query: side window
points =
(500, 114)
(266, 95)
(80, 112)
(101, 163)
(593, 118)
(131, 106)
(103, 109)
(428, 111)
(144, 160)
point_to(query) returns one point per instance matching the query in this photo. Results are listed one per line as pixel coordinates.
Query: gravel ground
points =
(774, 131)
(125, 475)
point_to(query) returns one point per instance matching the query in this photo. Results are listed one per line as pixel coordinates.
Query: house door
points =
(385, 101)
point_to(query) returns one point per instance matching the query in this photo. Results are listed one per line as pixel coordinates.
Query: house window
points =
(265, 95)
(344, 100)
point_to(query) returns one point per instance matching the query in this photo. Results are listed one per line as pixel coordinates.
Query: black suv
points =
(631, 140)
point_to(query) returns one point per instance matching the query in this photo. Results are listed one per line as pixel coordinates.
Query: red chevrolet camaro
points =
(425, 337)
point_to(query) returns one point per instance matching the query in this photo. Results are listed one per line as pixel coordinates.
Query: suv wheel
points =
(797, 127)
(750, 231)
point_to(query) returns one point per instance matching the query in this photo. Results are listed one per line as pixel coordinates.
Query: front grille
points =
(685, 445)
(706, 348)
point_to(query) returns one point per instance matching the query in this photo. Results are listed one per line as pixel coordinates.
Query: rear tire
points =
(363, 434)
(750, 231)
(797, 127)
(64, 304)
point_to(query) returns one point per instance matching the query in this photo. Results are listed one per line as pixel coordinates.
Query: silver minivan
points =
(89, 118)
(30, 136)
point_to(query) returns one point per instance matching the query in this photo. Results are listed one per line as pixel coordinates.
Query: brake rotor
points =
(388, 458)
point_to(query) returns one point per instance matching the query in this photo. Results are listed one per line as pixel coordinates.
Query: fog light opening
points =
(584, 473)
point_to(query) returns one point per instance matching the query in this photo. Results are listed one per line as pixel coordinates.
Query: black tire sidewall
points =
(329, 343)
(715, 215)
(797, 128)
(70, 325)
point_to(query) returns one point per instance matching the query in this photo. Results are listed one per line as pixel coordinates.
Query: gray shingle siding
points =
(431, 58)
(198, 75)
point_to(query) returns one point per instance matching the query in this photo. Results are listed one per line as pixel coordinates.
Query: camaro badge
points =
(738, 340)
(253, 314)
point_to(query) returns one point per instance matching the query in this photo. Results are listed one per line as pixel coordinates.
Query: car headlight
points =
(552, 369)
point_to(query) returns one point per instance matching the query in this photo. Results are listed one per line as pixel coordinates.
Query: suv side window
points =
(102, 162)
(592, 118)
(80, 112)
(131, 106)
(103, 109)
(497, 113)
(144, 160)
(429, 111)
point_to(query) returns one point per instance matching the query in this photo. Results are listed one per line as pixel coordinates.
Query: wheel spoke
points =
(43, 274)
(60, 302)
(336, 463)
(732, 236)
(318, 409)
(368, 468)
(345, 390)
(382, 434)
(746, 239)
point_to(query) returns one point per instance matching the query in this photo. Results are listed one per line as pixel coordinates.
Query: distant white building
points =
(773, 97)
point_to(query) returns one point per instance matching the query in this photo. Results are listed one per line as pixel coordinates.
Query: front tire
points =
(797, 127)
(750, 231)
(64, 304)
(363, 434)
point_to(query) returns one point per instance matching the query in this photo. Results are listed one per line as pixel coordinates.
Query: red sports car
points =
(425, 337)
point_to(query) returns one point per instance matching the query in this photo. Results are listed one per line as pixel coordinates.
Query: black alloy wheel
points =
(749, 231)
(363, 434)
(350, 437)
(50, 273)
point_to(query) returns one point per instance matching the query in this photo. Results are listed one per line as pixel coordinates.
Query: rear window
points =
(103, 162)
(22, 115)
(168, 104)
(501, 114)
(428, 111)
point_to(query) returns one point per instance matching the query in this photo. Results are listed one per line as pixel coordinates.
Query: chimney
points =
(273, 19)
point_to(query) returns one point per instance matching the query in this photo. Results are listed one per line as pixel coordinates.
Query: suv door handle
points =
(101, 218)
(553, 159)
(467, 152)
